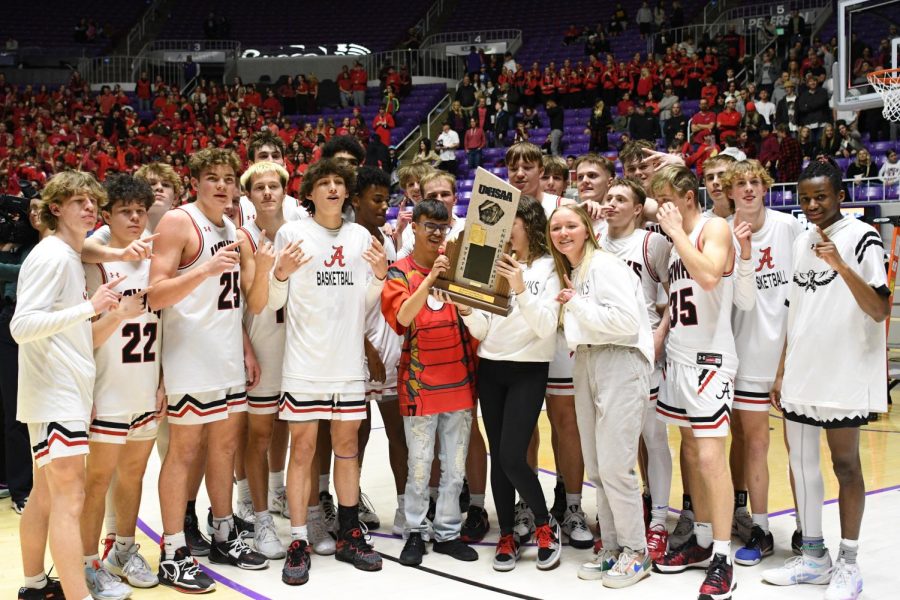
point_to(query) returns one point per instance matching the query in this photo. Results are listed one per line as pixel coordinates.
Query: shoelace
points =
(840, 575)
(623, 564)
(365, 504)
(656, 537)
(266, 532)
(544, 536)
(238, 544)
(358, 540)
(135, 563)
(506, 545)
(104, 578)
(575, 520)
(717, 573)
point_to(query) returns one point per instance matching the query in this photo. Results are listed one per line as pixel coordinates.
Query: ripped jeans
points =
(452, 429)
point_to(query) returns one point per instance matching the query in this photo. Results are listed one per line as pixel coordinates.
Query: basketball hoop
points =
(887, 83)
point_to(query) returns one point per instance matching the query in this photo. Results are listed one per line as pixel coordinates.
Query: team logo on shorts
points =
(725, 394)
(812, 280)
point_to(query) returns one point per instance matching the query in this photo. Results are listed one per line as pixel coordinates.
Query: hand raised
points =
(223, 260)
(377, 258)
(289, 260)
(827, 251)
(139, 249)
(265, 253)
(106, 298)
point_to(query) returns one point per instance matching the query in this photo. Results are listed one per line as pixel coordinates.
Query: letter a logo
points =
(766, 259)
(337, 257)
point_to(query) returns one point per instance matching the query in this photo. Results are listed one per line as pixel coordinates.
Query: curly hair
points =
(745, 168)
(210, 157)
(324, 168)
(535, 220)
(123, 188)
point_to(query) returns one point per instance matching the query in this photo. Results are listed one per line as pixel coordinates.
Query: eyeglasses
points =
(440, 228)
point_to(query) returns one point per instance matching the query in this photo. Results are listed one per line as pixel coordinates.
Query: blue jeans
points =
(453, 430)
(474, 157)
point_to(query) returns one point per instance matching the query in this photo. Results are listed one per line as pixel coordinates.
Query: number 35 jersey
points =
(128, 361)
(700, 328)
(203, 348)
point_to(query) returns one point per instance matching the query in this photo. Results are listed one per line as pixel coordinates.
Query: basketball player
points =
(592, 175)
(700, 367)
(195, 279)
(52, 326)
(759, 331)
(555, 178)
(123, 429)
(839, 300)
(647, 253)
(329, 273)
(713, 170)
(269, 147)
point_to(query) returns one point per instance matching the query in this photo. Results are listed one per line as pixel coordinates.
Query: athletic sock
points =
(476, 500)
(704, 534)
(89, 559)
(348, 518)
(722, 547)
(261, 515)
(324, 482)
(762, 520)
(243, 490)
(38, 582)
(109, 523)
(658, 515)
(276, 480)
(191, 509)
(172, 542)
(686, 504)
(222, 527)
(848, 550)
(814, 546)
(299, 533)
(573, 500)
(124, 544)
(740, 501)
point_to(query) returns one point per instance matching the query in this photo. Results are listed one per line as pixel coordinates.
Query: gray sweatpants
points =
(612, 385)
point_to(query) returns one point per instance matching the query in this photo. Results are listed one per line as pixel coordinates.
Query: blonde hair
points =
(556, 166)
(563, 267)
(679, 178)
(414, 172)
(743, 168)
(261, 167)
(524, 152)
(65, 185)
(435, 175)
(210, 157)
(163, 172)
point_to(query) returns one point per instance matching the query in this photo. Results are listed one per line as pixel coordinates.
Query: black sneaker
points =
(196, 541)
(507, 553)
(719, 582)
(475, 526)
(19, 506)
(797, 542)
(296, 564)
(456, 548)
(242, 526)
(464, 496)
(558, 510)
(237, 553)
(183, 573)
(413, 550)
(52, 591)
(353, 548)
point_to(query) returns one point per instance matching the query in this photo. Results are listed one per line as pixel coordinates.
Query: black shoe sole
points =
(581, 545)
(229, 561)
(291, 581)
(410, 563)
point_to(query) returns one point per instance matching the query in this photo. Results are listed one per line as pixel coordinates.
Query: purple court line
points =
(217, 576)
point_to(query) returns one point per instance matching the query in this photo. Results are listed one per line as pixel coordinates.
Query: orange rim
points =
(885, 77)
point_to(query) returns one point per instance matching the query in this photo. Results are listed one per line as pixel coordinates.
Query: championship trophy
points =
(472, 277)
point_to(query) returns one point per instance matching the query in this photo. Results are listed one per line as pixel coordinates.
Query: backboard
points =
(869, 21)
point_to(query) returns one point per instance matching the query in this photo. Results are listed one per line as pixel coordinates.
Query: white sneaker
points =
(367, 512)
(524, 522)
(278, 503)
(683, 531)
(630, 568)
(801, 569)
(575, 527)
(597, 566)
(846, 582)
(265, 539)
(245, 511)
(319, 537)
(103, 585)
(132, 566)
(326, 501)
(399, 521)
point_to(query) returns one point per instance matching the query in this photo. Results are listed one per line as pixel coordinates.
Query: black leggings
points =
(511, 395)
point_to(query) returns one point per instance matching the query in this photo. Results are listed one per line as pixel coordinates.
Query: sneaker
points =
(241, 525)
(688, 556)
(278, 503)
(183, 573)
(801, 569)
(197, 542)
(657, 542)
(109, 542)
(133, 567)
(367, 513)
(602, 562)
(548, 538)
(320, 537)
(630, 568)
(296, 565)
(19, 505)
(742, 526)
(245, 512)
(761, 545)
(507, 553)
(103, 585)
(575, 528)
(413, 550)
(558, 510)
(683, 531)
(719, 582)
(265, 539)
(475, 526)
(524, 522)
(235, 552)
(455, 548)
(52, 591)
(326, 500)
(465, 497)
(399, 522)
(353, 548)
(797, 542)
(648, 509)
(432, 509)
(846, 582)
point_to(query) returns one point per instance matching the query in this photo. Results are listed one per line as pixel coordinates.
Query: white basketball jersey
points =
(380, 334)
(550, 202)
(647, 254)
(203, 347)
(291, 208)
(326, 308)
(266, 331)
(128, 361)
(700, 321)
(759, 333)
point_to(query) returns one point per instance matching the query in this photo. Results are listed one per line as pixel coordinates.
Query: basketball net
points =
(887, 83)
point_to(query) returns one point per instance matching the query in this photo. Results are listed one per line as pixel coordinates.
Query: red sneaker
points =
(688, 556)
(719, 582)
(108, 542)
(657, 542)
